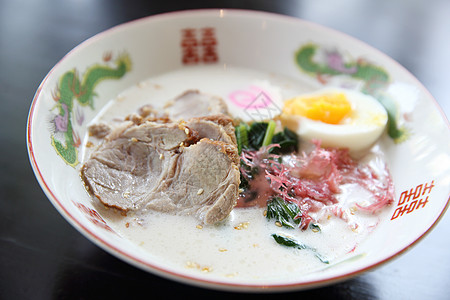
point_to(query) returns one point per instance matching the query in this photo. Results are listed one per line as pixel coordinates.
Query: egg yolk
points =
(329, 108)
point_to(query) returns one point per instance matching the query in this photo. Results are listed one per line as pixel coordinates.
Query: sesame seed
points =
(200, 191)
(241, 226)
(192, 265)
(161, 156)
(186, 130)
(199, 227)
(278, 223)
(141, 84)
(134, 140)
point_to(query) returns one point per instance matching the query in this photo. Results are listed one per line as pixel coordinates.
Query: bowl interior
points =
(288, 56)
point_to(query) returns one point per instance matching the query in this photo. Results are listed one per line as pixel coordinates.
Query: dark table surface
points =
(43, 257)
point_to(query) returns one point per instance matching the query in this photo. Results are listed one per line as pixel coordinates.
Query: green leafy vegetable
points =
(260, 134)
(288, 141)
(394, 131)
(251, 173)
(244, 184)
(315, 227)
(283, 212)
(290, 242)
(256, 135)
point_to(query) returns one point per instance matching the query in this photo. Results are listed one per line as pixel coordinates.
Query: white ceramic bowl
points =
(208, 41)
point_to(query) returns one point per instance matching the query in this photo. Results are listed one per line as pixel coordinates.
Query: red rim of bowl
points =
(96, 239)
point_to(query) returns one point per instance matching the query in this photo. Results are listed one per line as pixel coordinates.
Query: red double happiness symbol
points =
(195, 50)
(413, 199)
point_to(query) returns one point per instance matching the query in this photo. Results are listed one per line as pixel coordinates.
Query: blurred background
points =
(43, 257)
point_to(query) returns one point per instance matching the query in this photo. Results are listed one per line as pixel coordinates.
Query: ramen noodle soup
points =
(314, 181)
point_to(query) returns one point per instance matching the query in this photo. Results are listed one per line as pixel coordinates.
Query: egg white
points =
(358, 131)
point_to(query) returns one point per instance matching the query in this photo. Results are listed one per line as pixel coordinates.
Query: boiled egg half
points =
(337, 117)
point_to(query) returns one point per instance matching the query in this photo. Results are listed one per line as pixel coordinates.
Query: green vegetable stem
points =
(241, 136)
(260, 134)
(269, 133)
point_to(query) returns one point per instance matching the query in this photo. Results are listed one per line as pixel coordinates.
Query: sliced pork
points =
(132, 162)
(192, 104)
(216, 128)
(205, 183)
(182, 167)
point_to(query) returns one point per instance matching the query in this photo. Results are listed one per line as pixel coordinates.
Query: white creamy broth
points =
(241, 246)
